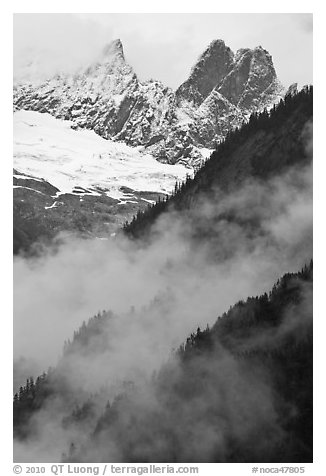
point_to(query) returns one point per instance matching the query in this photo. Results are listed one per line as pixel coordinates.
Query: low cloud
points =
(158, 293)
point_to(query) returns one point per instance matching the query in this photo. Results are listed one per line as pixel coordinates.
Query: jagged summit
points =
(251, 75)
(211, 67)
(114, 48)
(232, 75)
(214, 46)
(258, 48)
(221, 91)
(260, 52)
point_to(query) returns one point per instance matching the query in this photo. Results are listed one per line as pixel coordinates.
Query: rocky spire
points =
(212, 66)
(113, 49)
(107, 97)
(253, 72)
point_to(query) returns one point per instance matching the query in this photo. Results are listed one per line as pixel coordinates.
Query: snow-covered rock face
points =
(222, 90)
(75, 181)
(47, 148)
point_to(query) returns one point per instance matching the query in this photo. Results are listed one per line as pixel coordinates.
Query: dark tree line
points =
(284, 363)
(27, 401)
(95, 327)
(279, 146)
(263, 356)
(251, 332)
(256, 314)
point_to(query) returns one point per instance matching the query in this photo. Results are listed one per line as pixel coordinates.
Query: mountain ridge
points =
(222, 89)
(269, 145)
(240, 377)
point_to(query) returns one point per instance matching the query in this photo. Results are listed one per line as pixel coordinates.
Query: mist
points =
(158, 293)
(160, 46)
(55, 292)
(49, 44)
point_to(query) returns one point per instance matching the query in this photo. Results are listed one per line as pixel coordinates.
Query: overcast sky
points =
(160, 45)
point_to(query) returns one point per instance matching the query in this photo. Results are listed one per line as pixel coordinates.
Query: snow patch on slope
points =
(49, 148)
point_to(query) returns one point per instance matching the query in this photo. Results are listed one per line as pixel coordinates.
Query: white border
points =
(319, 187)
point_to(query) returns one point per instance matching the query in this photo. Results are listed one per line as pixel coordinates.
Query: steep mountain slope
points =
(211, 68)
(252, 79)
(267, 146)
(241, 392)
(238, 392)
(180, 126)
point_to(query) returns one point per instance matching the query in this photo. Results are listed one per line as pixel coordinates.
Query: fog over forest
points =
(158, 292)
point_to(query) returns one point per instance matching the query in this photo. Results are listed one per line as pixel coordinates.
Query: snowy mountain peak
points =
(113, 49)
(263, 56)
(212, 66)
(214, 46)
(252, 80)
(241, 78)
(240, 52)
(223, 88)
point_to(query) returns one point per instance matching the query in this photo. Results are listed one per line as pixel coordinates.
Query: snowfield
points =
(48, 148)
